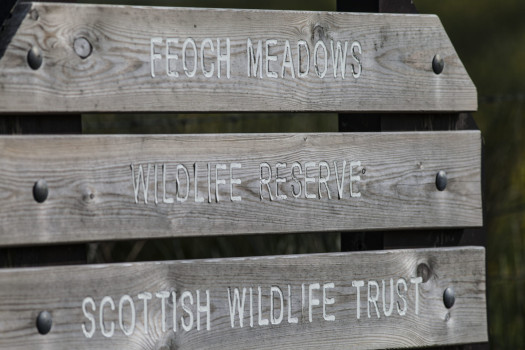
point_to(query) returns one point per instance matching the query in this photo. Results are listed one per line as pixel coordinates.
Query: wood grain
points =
(396, 75)
(61, 291)
(92, 186)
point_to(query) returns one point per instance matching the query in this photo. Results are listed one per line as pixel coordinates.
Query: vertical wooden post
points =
(351, 241)
(372, 122)
(5, 10)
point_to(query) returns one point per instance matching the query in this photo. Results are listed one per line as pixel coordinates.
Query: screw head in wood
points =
(449, 298)
(34, 58)
(82, 47)
(438, 64)
(441, 180)
(44, 322)
(40, 191)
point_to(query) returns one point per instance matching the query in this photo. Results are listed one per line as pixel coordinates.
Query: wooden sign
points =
(92, 188)
(95, 58)
(367, 300)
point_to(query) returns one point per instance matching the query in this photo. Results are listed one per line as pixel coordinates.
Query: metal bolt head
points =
(449, 298)
(441, 180)
(82, 47)
(40, 191)
(438, 64)
(34, 58)
(44, 322)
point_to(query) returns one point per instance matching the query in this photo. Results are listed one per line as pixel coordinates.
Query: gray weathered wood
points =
(92, 184)
(62, 291)
(396, 75)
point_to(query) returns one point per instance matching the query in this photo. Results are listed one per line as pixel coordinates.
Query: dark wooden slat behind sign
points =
(99, 58)
(5, 10)
(96, 184)
(77, 297)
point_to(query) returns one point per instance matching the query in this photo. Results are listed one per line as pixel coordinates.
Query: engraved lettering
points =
(270, 58)
(154, 56)
(354, 178)
(186, 295)
(320, 73)
(140, 179)
(417, 281)
(358, 285)
(178, 182)
(254, 61)
(198, 199)
(324, 180)
(373, 299)
(191, 42)
(401, 310)
(279, 180)
(89, 316)
(308, 180)
(105, 333)
(297, 194)
(340, 184)
(171, 57)
(164, 199)
(311, 300)
(327, 301)
(391, 307)
(236, 305)
(124, 299)
(302, 74)
(223, 58)
(217, 181)
(265, 181)
(207, 73)
(287, 60)
(275, 290)
(205, 309)
(262, 321)
(290, 318)
(234, 181)
(145, 297)
(162, 295)
(357, 67)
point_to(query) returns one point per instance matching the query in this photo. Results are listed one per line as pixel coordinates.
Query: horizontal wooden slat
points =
(96, 184)
(388, 63)
(77, 296)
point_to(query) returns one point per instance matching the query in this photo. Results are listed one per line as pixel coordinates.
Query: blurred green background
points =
(489, 37)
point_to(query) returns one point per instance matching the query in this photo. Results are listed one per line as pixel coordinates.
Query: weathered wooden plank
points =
(323, 316)
(122, 187)
(114, 58)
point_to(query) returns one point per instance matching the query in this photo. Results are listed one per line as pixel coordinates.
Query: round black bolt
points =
(40, 191)
(441, 180)
(34, 58)
(82, 47)
(449, 297)
(438, 64)
(44, 322)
